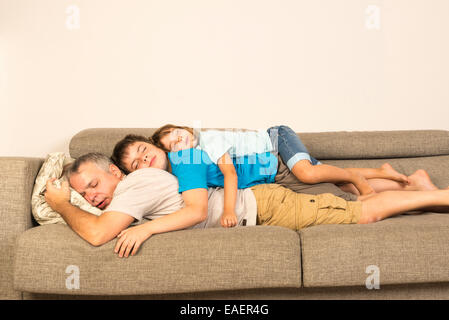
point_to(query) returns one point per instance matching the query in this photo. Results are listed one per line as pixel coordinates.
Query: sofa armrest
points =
(17, 175)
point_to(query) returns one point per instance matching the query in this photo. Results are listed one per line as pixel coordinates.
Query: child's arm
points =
(194, 212)
(229, 218)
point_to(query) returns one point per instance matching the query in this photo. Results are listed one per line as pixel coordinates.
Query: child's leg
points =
(290, 147)
(418, 181)
(308, 173)
(386, 171)
(391, 203)
(297, 158)
(378, 185)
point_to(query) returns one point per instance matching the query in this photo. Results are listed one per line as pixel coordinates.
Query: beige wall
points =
(314, 65)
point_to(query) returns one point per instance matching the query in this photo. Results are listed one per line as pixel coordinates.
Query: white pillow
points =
(52, 168)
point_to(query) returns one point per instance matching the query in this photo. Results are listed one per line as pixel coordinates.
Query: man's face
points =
(144, 155)
(96, 185)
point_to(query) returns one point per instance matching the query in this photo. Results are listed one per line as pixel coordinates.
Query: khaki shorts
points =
(279, 206)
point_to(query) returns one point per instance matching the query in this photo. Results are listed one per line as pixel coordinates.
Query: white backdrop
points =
(327, 65)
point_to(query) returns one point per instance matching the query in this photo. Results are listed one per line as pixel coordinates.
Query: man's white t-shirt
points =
(152, 193)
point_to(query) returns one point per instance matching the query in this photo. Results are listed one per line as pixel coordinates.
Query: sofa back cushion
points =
(321, 145)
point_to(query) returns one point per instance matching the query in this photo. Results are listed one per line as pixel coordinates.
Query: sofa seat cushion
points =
(174, 262)
(403, 249)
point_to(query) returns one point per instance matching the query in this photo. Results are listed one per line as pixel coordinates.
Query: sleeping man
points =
(152, 194)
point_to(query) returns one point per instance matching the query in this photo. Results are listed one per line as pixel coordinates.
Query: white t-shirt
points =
(237, 143)
(152, 193)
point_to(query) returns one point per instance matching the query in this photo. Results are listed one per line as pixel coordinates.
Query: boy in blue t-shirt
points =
(194, 169)
(222, 167)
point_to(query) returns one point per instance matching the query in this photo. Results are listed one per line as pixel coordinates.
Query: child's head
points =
(136, 152)
(174, 138)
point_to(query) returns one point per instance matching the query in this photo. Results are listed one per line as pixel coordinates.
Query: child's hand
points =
(131, 238)
(362, 184)
(228, 219)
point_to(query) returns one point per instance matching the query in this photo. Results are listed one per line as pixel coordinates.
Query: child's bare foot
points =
(420, 181)
(392, 174)
(228, 219)
(362, 184)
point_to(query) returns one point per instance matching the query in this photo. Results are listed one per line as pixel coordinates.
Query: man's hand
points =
(131, 238)
(55, 197)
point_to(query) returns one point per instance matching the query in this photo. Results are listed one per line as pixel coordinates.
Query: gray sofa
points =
(410, 252)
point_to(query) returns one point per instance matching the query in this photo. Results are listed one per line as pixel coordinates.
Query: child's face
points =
(144, 155)
(178, 139)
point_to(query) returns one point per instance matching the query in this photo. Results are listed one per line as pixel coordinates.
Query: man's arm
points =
(96, 230)
(194, 212)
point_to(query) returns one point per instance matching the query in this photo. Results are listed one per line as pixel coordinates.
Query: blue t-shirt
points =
(194, 169)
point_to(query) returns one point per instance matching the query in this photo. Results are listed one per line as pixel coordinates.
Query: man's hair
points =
(165, 130)
(99, 159)
(121, 149)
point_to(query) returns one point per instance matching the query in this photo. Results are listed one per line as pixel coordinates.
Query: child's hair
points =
(165, 130)
(121, 148)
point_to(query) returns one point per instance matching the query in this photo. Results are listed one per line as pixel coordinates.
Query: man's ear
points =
(113, 169)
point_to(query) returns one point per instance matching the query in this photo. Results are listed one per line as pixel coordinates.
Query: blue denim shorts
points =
(290, 147)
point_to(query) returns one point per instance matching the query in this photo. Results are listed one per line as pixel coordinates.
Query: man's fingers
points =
(123, 232)
(123, 248)
(136, 247)
(118, 244)
(65, 185)
(49, 183)
(129, 247)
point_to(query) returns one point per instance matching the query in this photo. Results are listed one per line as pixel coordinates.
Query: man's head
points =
(136, 152)
(95, 177)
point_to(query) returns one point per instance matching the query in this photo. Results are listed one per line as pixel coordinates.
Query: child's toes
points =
(404, 179)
